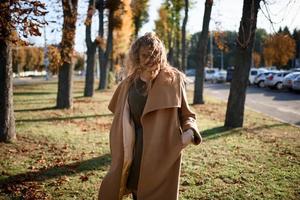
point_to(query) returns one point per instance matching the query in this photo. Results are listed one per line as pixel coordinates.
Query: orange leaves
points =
(101, 42)
(69, 28)
(54, 59)
(279, 49)
(256, 59)
(122, 34)
(88, 21)
(219, 39)
(23, 14)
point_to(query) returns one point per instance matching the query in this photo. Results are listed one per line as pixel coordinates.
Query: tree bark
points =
(201, 61)
(107, 55)
(101, 51)
(177, 45)
(245, 42)
(183, 35)
(65, 86)
(64, 94)
(7, 120)
(90, 68)
(91, 53)
(137, 25)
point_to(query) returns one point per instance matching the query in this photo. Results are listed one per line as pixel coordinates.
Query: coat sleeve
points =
(187, 117)
(114, 100)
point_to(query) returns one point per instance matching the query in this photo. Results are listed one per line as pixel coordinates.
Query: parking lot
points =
(283, 105)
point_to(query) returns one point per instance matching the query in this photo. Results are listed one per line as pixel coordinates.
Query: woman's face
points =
(150, 66)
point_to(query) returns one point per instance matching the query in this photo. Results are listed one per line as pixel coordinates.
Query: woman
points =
(152, 124)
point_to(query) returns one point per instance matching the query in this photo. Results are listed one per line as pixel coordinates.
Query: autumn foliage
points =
(54, 59)
(23, 17)
(256, 58)
(219, 37)
(122, 35)
(279, 49)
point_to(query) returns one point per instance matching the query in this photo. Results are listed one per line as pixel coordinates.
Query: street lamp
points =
(46, 60)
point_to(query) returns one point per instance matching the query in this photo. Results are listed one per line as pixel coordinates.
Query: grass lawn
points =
(64, 154)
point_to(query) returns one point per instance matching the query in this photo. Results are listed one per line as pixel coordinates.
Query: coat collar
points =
(163, 93)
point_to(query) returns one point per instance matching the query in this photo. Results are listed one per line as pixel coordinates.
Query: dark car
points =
(229, 74)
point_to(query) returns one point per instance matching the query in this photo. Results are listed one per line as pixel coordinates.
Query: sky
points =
(226, 15)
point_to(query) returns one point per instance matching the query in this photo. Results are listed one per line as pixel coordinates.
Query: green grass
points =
(64, 154)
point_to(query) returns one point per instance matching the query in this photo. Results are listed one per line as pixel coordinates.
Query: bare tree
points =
(202, 49)
(140, 14)
(91, 52)
(183, 35)
(245, 42)
(107, 58)
(101, 50)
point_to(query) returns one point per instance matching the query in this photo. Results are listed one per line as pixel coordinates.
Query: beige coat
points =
(166, 115)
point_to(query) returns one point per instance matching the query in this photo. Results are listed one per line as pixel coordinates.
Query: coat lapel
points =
(163, 94)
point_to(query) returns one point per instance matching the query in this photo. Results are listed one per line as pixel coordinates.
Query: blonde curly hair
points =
(158, 55)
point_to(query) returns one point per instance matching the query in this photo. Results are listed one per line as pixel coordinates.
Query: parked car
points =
(229, 74)
(255, 72)
(296, 83)
(221, 76)
(274, 80)
(295, 70)
(218, 77)
(211, 74)
(287, 81)
(259, 80)
(190, 72)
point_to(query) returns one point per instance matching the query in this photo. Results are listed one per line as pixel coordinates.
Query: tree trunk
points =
(177, 43)
(7, 120)
(65, 86)
(64, 93)
(90, 68)
(202, 46)
(245, 41)
(183, 36)
(91, 53)
(107, 55)
(100, 48)
(137, 22)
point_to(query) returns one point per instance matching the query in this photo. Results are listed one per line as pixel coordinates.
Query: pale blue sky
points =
(226, 15)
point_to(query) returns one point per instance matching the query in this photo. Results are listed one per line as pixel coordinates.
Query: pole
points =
(46, 61)
(211, 50)
(222, 60)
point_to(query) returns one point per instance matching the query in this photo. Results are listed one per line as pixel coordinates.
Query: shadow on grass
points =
(63, 118)
(34, 101)
(32, 93)
(221, 131)
(35, 109)
(41, 93)
(96, 163)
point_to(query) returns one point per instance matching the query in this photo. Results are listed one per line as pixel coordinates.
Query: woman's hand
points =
(187, 137)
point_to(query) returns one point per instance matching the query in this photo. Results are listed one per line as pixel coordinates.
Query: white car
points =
(255, 72)
(221, 76)
(296, 83)
(274, 80)
(211, 74)
(287, 81)
(259, 80)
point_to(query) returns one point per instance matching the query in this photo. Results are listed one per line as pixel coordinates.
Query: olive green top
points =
(136, 100)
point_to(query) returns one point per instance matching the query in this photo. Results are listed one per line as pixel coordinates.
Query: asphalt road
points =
(283, 105)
